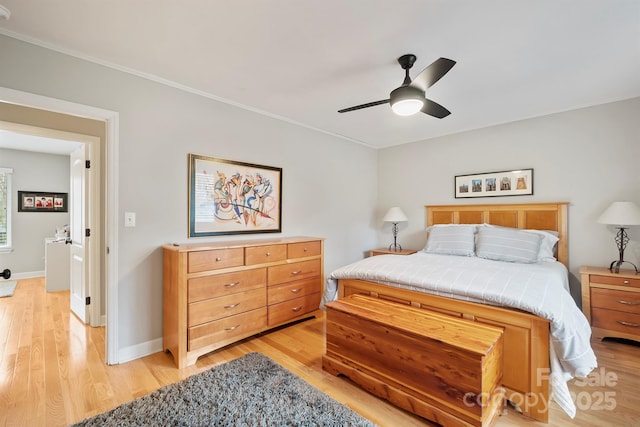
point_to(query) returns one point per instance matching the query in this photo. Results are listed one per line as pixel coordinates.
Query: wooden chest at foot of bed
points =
(442, 368)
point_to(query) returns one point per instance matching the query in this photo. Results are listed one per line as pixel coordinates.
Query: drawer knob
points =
(232, 328)
(268, 253)
(231, 285)
(218, 259)
(626, 282)
(295, 291)
(305, 250)
(633, 325)
(295, 273)
(230, 306)
(297, 308)
(621, 301)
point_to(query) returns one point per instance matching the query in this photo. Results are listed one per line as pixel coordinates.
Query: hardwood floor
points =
(52, 370)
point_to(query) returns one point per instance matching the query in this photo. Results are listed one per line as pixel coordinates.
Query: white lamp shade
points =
(621, 213)
(395, 214)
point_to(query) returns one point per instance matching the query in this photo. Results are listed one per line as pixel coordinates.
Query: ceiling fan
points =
(410, 98)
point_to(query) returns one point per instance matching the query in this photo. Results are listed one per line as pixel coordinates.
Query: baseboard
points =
(27, 275)
(139, 350)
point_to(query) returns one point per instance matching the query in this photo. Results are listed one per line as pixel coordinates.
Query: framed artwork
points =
(491, 184)
(231, 197)
(39, 201)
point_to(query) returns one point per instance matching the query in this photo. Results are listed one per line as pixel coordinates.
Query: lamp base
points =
(614, 267)
(621, 240)
(395, 246)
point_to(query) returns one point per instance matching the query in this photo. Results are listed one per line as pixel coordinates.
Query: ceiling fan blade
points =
(358, 107)
(434, 109)
(434, 72)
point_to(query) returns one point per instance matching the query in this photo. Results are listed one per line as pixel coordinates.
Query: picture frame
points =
(233, 197)
(517, 182)
(42, 201)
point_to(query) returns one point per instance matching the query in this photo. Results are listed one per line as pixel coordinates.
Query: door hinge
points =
(87, 164)
(87, 232)
(88, 300)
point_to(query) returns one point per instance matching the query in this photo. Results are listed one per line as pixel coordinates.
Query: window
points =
(5, 208)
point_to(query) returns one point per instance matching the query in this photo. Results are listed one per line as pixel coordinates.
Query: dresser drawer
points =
(224, 284)
(293, 271)
(285, 311)
(261, 254)
(615, 280)
(616, 300)
(615, 320)
(214, 259)
(217, 308)
(303, 249)
(227, 329)
(291, 290)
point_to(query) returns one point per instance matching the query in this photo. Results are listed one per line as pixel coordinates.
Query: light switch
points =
(129, 219)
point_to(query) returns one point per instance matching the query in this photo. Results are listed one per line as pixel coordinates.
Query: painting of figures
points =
(232, 197)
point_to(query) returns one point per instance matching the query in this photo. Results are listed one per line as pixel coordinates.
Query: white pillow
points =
(508, 244)
(449, 240)
(547, 252)
(547, 245)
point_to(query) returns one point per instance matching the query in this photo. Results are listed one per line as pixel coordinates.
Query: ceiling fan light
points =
(406, 100)
(407, 107)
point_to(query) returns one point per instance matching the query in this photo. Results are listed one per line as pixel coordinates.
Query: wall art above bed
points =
(491, 184)
(230, 197)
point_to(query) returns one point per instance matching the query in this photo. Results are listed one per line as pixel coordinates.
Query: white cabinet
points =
(56, 265)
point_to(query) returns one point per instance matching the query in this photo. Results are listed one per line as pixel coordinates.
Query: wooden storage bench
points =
(443, 368)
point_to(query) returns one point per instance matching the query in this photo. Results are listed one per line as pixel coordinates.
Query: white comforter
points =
(541, 289)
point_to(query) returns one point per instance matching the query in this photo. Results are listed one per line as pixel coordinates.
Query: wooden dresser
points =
(215, 294)
(611, 302)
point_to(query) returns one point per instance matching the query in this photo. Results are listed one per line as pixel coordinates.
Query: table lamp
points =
(394, 216)
(621, 214)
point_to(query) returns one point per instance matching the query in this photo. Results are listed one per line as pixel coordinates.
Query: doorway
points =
(109, 245)
(84, 202)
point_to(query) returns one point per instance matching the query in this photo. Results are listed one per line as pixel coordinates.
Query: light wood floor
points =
(52, 370)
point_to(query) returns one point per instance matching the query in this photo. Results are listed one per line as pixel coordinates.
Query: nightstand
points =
(387, 251)
(611, 302)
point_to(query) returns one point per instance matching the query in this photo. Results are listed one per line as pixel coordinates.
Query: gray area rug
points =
(7, 288)
(252, 390)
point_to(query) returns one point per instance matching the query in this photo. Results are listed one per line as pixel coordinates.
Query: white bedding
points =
(541, 289)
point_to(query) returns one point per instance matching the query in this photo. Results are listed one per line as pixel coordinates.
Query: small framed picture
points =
(517, 182)
(39, 201)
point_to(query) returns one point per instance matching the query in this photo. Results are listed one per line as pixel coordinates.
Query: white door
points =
(78, 223)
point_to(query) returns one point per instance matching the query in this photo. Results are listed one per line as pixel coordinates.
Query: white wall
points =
(329, 185)
(33, 172)
(587, 157)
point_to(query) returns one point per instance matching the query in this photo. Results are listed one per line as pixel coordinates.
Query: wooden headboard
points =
(536, 216)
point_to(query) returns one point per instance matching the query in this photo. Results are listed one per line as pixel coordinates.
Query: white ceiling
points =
(302, 60)
(40, 144)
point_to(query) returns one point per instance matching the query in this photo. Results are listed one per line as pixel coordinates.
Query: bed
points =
(532, 366)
